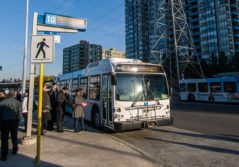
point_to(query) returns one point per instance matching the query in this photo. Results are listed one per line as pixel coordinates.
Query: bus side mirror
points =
(113, 80)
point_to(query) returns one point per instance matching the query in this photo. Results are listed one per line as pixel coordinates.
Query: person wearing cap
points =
(78, 110)
(10, 114)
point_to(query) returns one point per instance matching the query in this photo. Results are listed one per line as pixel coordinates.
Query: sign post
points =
(42, 51)
(39, 115)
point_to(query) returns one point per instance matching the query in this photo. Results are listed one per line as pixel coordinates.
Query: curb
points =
(152, 158)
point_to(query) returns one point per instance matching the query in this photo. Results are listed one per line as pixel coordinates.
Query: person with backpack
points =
(78, 110)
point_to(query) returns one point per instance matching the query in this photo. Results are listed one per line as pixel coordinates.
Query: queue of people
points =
(54, 103)
(13, 108)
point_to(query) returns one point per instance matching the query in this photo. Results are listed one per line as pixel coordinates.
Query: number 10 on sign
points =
(50, 19)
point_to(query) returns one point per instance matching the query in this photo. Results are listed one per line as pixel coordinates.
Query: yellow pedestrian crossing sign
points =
(42, 48)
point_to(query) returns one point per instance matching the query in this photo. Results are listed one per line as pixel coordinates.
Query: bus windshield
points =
(141, 87)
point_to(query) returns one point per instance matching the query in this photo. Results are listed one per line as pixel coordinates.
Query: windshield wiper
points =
(135, 100)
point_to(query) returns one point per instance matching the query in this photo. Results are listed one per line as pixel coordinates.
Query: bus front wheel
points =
(96, 120)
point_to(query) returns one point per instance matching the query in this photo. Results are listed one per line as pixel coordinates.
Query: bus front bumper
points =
(123, 126)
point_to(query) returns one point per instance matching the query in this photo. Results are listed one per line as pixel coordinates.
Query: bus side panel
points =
(202, 96)
(183, 96)
(89, 108)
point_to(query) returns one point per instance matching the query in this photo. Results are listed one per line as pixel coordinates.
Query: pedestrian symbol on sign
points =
(41, 48)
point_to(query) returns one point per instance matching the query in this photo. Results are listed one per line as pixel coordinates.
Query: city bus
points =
(219, 89)
(122, 94)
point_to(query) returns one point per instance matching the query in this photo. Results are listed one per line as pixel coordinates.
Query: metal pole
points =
(31, 84)
(25, 51)
(175, 38)
(39, 125)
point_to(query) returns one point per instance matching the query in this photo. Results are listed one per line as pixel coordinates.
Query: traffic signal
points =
(0, 68)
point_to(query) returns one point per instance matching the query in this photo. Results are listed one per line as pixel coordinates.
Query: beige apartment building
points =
(112, 53)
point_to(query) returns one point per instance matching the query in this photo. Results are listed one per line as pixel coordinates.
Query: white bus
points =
(220, 89)
(122, 94)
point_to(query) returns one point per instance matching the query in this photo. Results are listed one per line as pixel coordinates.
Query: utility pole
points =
(171, 18)
(25, 51)
(29, 139)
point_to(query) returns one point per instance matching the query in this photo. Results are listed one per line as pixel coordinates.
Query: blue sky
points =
(105, 27)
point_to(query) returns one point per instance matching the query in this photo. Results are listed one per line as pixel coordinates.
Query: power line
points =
(91, 31)
(96, 28)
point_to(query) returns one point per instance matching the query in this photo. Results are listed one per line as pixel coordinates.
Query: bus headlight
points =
(118, 110)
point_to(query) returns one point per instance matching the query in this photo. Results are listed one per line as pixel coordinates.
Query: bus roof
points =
(216, 79)
(103, 66)
(109, 65)
(70, 75)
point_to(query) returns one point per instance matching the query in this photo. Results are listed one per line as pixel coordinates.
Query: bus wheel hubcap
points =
(97, 120)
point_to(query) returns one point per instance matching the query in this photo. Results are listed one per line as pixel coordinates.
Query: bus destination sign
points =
(139, 68)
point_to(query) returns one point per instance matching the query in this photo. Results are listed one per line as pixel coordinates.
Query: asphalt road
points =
(203, 135)
(209, 118)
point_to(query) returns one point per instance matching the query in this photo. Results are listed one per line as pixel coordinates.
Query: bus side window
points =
(183, 87)
(215, 87)
(94, 87)
(191, 87)
(202, 87)
(83, 85)
(229, 87)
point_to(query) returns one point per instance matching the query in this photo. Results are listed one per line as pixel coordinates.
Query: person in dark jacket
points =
(61, 101)
(2, 97)
(10, 114)
(78, 110)
(53, 98)
(46, 107)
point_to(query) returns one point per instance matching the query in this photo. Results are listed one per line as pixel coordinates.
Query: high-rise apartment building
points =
(192, 13)
(95, 52)
(78, 56)
(137, 29)
(214, 26)
(216, 22)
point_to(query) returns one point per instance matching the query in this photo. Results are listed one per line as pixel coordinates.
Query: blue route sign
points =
(50, 19)
(54, 20)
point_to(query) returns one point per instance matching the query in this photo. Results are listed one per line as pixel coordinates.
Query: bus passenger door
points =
(107, 101)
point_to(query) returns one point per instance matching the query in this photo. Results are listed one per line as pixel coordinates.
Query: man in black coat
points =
(53, 98)
(10, 114)
(61, 101)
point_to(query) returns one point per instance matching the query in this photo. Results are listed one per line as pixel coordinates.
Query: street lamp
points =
(25, 51)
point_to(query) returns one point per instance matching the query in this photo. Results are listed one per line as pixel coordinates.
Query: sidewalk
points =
(91, 148)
